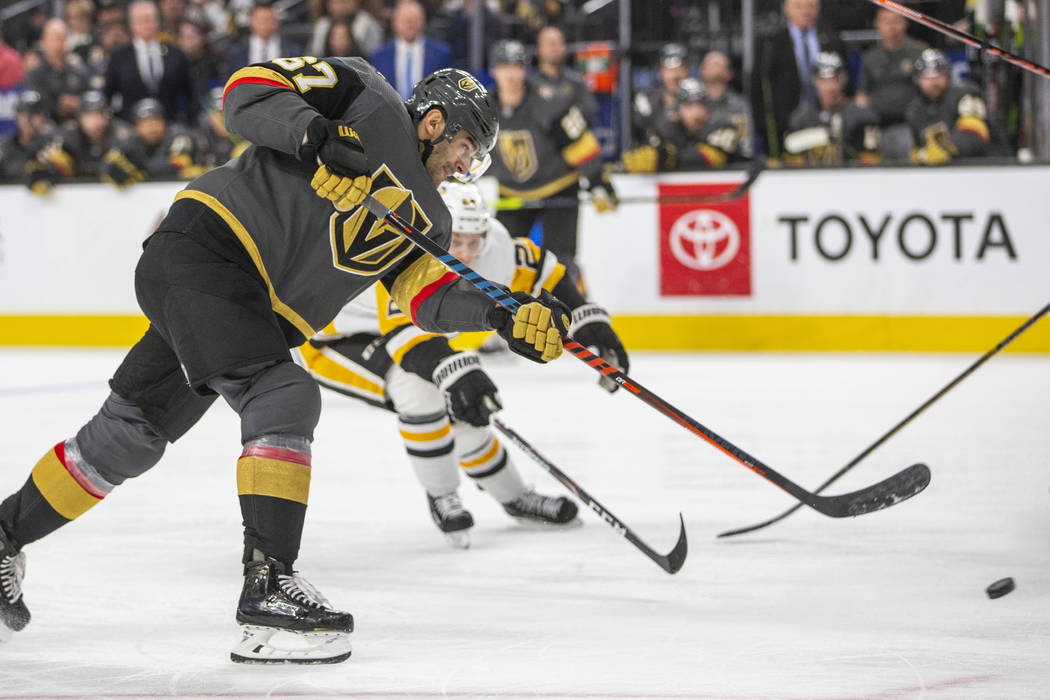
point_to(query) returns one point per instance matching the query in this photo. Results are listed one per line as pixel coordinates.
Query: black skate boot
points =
(451, 518)
(531, 508)
(14, 615)
(286, 620)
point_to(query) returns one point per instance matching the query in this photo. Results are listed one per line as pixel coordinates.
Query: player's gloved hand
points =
(38, 178)
(652, 158)
(470, 395)
(938, 149)
(592, 328)
(188, 170)
(603, 196)
(535, 329)
(118, 170)
(342, 175)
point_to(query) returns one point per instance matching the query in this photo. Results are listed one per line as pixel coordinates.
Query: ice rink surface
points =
(136, 599)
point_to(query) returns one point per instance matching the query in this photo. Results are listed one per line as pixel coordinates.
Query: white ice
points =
(136, 599)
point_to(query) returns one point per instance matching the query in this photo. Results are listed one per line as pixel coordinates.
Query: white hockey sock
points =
(486, 461)
(429, 443)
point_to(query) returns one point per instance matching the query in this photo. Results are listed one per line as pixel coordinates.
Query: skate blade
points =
(266, 645)
(460, 539)
(532, 524)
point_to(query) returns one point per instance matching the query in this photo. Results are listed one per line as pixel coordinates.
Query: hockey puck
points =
(1000, 588)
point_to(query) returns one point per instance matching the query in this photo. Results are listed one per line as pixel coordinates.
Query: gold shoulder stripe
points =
(424, 271)
(245, 238)
(258, 73)
(975, 125)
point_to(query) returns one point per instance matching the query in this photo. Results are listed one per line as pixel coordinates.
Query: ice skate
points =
(14, 615)
(451, 518)
(536, 510)
(284, 619)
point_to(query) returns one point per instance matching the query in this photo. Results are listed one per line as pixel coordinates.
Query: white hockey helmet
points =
(467, 206)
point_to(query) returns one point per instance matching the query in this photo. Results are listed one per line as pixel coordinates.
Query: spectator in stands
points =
(112, 36)
(410, 55)
(716, 73)
(835, 130)
(156, 150)
(79, 148)
(205, 66)
(61, 78)
(217, 144)
(340, 40)
(12, 69)
(947, 121)
(368, 33)
(455, 23)
(32, 131)
(887, 83)
(264, 43)
(658, 104)
(556, 81)
(109, 12)
(694, 140)
(149, 68)
(172, 14)
(783, 71)
(80, 22)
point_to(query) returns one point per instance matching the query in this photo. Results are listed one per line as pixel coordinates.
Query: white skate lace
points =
(449, 504)
(301, 590)
(12, 571)
(532, 502)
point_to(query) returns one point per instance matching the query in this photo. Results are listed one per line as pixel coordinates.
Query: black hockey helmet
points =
(148, 107)
(828, 65)
(673, 55)
(464, 102)
(31, 102)
(931, 62)
(692, 90)
(508, 51)
(94, 101)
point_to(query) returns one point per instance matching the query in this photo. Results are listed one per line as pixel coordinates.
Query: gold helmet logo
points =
(467, 84)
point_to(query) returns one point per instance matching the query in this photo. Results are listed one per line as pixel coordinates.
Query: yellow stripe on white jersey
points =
(338, 372)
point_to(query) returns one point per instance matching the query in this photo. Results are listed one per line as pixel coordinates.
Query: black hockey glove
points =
(118, 170)
(39, 179)
(603, 196)
(343, 175)
(535, 330)
(591, 328)
(470, 395)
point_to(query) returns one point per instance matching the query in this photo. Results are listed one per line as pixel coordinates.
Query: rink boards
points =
(950, 259)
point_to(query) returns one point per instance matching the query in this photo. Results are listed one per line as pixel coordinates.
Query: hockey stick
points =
(893, 431)
(670, 562)
(888, 492)
(516, 203)
(958, 34)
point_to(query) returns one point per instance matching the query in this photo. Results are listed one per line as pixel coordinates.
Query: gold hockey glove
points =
(343, 175)
(938, 149)
(603, 196)
(535, 329)
(118, 170)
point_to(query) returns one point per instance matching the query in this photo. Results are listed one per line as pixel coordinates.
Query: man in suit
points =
(405, 60)
(149, 68)
(783, 76)
(264, 43)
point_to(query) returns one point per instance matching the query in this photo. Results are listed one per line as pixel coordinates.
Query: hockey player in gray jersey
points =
(252, 259)
(835, 131)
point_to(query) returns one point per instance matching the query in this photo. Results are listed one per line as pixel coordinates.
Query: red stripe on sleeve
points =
(428, 291)
(255, 81)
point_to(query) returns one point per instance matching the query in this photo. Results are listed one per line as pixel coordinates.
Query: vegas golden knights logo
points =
(468, 84)
(363, 244)
(518, 152)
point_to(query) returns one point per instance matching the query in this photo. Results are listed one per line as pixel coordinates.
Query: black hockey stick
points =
(670, 562)
(893, 431)
(888, 492)
(516, 203)
(959, 35)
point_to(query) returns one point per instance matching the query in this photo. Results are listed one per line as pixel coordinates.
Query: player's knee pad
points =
(118, 443)
(273, 399)
(412, 395)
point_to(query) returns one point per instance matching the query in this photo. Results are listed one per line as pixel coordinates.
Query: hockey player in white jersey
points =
(442, 397)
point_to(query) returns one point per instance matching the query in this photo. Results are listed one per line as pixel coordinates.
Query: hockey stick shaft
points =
(516, 203)
(970, 39)
(895, 429)
(670, 562)
(888, 492)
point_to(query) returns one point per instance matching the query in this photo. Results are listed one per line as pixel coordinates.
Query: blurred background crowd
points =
(129, 91)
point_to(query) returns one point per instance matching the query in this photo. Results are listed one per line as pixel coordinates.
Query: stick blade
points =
(673, 560)
(888, 492)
